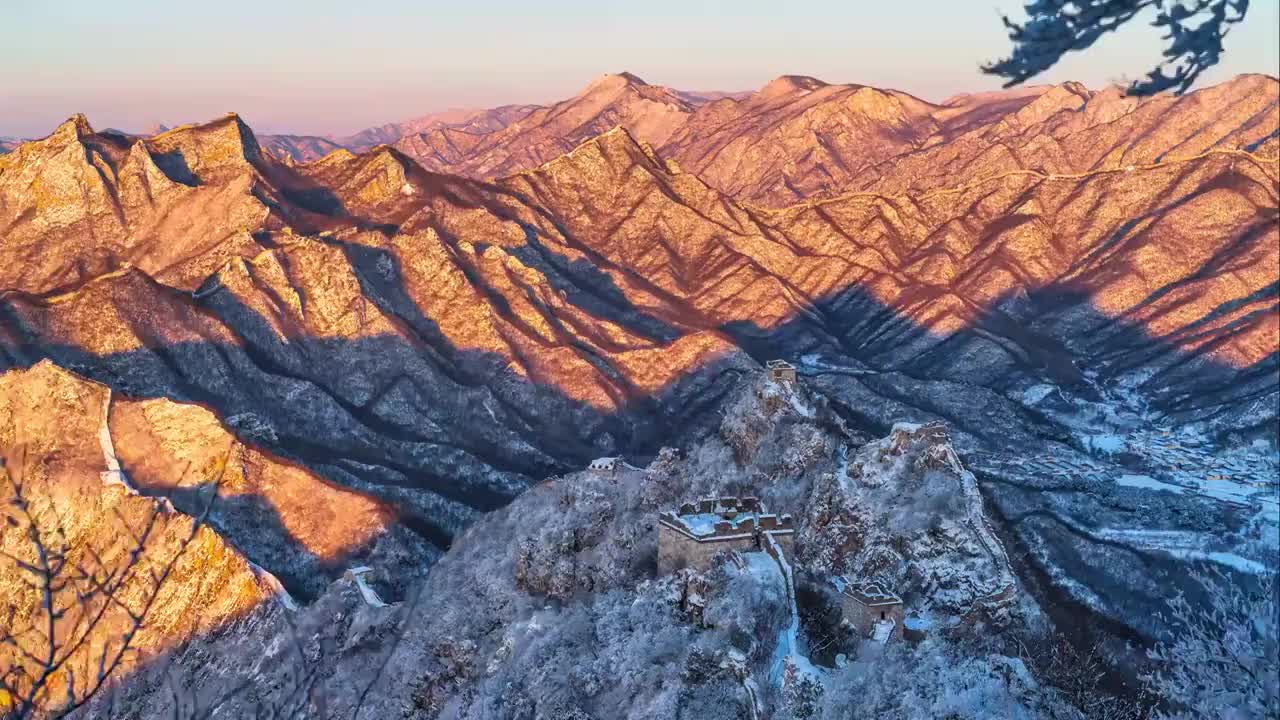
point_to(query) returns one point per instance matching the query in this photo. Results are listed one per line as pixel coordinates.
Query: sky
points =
(329, 67)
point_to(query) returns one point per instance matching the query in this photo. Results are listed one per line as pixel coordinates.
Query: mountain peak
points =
(225, 142)
(616, 137)
(612, 81)
(616, 148)
(73, 128)
(791, 84)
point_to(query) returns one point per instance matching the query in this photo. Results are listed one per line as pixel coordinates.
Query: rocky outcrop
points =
(79, 204)
(903, 511)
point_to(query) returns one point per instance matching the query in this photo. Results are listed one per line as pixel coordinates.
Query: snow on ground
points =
(1156, 456)
(1036, 393)
(114, 474)
(272, 582)
(799, 406)
(1146, 481)
(1181, 544)
(788, 650)
(753, 692)
(1106, 443)
(919, 624)
(882, 631)
(815, 362)
(1231, 560)
(369, 594)
(1245, 476)
(763, 566)
(704, 523)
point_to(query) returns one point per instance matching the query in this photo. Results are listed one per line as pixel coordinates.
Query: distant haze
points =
(328, 67)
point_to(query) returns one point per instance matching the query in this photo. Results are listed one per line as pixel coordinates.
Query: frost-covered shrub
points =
(748, 610)
(550, 608)
(802, 692)
(1222, 661)
(452, 664)
(924, 505)
(931, 681)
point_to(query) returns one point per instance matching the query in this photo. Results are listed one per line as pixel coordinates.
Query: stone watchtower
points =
(781, 371)
(693, 536)
(873, 610)
(605, 465)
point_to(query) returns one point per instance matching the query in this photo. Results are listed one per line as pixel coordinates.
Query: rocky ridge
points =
(799, 138)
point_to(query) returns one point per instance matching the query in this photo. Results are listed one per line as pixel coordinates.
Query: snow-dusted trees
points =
(932, 680)
(1222, 663)
(1056, 27)
(1077, 675)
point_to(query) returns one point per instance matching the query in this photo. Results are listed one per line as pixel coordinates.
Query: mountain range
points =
(799, 138)
(420, 322)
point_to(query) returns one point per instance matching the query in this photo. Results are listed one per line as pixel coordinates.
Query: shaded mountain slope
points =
(982, 259)
(554, 605)
(606, 254)
(299, 148)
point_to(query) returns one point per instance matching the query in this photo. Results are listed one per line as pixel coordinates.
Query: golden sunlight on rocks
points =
(49, 426)
(166, 446)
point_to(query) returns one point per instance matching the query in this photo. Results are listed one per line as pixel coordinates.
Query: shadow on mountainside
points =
(444, 433)
(362, 410)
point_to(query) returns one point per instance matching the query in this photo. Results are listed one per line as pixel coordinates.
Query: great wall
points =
(695, 534)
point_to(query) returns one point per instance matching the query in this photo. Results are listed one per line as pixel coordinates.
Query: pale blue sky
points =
(324, 66)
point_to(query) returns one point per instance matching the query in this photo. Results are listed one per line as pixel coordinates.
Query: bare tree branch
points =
(76, 601)
(1194, 33)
